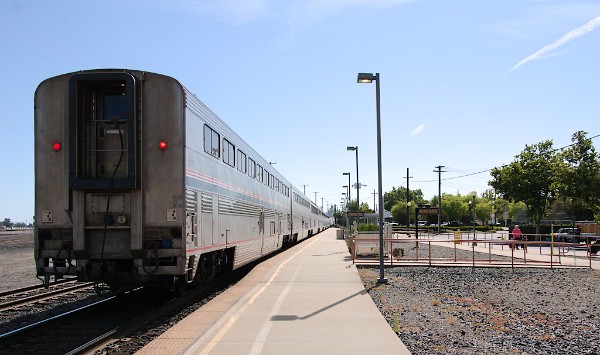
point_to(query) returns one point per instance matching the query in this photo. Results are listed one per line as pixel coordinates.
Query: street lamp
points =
(349, 193)
(347, 188)
(474, 194)
(368, 78)
(345, 204)
(357, 183)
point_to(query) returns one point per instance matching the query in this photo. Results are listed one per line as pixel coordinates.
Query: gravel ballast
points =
(465, 310)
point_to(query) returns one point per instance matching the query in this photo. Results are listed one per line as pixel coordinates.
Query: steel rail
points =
(41, 296)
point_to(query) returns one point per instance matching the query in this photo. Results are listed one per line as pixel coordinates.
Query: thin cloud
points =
(578, 32)
(304, 12)
(318, 10)
(234, 11)
(417, 130)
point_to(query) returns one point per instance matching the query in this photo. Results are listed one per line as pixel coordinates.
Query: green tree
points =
(399, 194)
(579, 173)
(364, 207)
(498, 207)
(340, 218)
(483, 210)
(7, 222)
(454, 208)
(398, 212)
(530, 178)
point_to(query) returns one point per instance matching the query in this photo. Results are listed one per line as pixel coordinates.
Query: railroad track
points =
(15, 299)
(105, 323)
(69, 330)
(110, 324)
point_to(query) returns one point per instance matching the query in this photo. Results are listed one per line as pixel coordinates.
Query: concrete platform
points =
(307, 300)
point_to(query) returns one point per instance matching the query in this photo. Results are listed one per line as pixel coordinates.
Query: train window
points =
(115, 107)
(241, 161)
(272, 229)
(259, 173)
(228, 152)
(251, 168)
(211, 142)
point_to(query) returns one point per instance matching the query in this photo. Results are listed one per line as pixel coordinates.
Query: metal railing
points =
(471, 252)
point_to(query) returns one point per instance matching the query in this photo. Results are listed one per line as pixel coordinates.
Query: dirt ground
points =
(16, 260)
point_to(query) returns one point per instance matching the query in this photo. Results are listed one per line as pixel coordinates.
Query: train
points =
(137, 182)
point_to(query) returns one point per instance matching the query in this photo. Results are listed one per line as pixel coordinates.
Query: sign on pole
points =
(428, 211)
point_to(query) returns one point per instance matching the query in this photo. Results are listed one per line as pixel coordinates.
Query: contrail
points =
(417, 130)
(578, 32)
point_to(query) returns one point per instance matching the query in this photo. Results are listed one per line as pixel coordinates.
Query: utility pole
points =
(374, 195)
(439, 171)
(407, 198)
(305, 189)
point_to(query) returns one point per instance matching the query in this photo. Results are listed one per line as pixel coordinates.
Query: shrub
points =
(363, 227)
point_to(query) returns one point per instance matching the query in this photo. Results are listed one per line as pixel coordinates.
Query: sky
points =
(464, 84)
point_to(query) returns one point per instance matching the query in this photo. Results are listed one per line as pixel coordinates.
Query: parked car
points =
(455, 223)
(568, 235)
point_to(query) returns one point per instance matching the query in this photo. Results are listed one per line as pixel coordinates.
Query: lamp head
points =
(365, 78)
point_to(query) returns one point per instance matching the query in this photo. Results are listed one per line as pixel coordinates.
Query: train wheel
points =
(178, 285)
(207, 268)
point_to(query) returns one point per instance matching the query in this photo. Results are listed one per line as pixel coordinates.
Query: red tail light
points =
(162, 145)
(56, 146)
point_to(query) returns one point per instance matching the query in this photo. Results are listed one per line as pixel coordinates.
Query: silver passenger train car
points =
(137, 182)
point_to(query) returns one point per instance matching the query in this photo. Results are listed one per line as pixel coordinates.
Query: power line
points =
(486, 170)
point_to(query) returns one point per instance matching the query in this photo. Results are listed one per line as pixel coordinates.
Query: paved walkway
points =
(307, 300)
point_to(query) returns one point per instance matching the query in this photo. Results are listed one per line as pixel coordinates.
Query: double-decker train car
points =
(138, 182)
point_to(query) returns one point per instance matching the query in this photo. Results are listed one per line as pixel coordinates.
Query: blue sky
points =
(464, 84)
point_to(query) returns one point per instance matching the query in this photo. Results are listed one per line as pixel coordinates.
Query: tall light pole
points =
(357, 184)
(368, 78)
(349, 195)
(439, 171)
(316, 192)
(345, 204)
(347, 188)
(408, 198)
(474, 194)
(305, 189)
